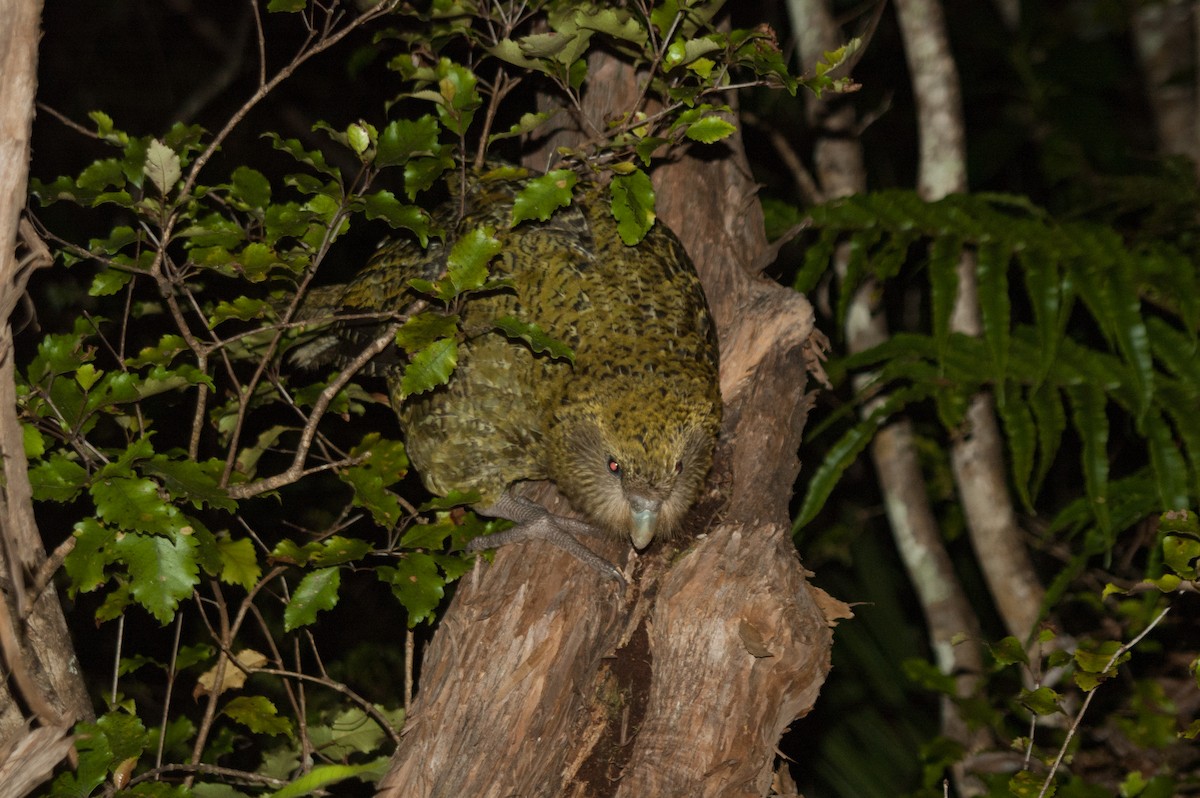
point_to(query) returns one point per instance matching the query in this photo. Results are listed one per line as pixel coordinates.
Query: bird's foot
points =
(535, 522)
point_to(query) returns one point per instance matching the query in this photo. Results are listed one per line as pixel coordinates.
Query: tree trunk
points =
(543, 680)
(42, 681)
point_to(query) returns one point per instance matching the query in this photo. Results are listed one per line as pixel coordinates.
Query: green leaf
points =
(162, 166)
(1050, 420)
(384, 205)
(1042, 701)
(469, 258)
(526, 124)
(1180, 553)
(321, 776)
(616, 22)
(352, 731)
(710, 129)
(418, 585)
(317, 591)
(242, 308)
(404, 139)
(944, 255)
(1027, 784)
(430, 367)
(250, 187)
(847, 449)
(85, 563)
(258, 714)
(294, 148)
(32, 441)
(290, 6)
(1009, 651)
(57, 479)
(633, 205)
(1170, 470)
(538, 339)
(387, 464)
(358, 138)
(1021, 437)
(338, 550)
(992, 274)
(423, 329)
(135, 504)
(162, 572)
(1091, 422)
(239, 562)
(197, 482)
(543, 195)
(109, 281)
(459, 97)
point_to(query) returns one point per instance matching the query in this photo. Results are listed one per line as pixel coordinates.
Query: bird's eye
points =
(678, 467)
(614, 467)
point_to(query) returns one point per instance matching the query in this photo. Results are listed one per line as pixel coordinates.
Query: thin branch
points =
(210, 770)
(297, 470)
(1120, 652)
(338, 687)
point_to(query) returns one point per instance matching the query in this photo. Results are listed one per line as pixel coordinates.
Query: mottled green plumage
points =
(627, 430)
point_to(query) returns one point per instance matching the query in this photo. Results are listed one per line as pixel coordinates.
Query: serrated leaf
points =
(317, 591)
(197, 482)
(430, 367)
(417, 583)
(351, 731)
(57, 479)
(337, 550)
(162, 572)
(258, 714)
(162, 166)
(423, 329)
(404, 139)
(632, 205)
(251, 187)
(543, 195)
(134, 503)
(510, 51)
(1042, 701)
(242, 308)
(239, 562)
(1009, 651)
(384, 205)
(710, 129)
(85, 563)
(538, 339)
(109, 281)
(616, 22)
(526, 124)
(469, 258)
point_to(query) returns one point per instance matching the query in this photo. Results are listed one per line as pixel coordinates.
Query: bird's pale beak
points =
(645, 520)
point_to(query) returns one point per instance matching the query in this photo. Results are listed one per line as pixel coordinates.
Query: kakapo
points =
(626, 431)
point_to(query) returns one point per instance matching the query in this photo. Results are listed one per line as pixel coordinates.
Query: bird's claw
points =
(534, 522)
